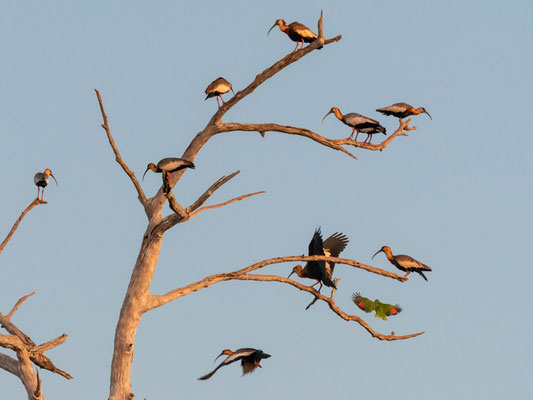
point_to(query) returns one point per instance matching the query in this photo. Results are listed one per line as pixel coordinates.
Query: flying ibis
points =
(404, 263)
(41, 180)
(322, 271)
(402, 110)
(358, 122)
(167, 166)
(250, 360)
(382, 310)
(217, 88)
(297, 32)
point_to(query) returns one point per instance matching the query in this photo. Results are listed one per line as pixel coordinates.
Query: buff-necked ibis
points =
(382, 310)
(404, 263)
(41, 180)
(297, 32)
(250, 360)
(167, 166)
(359, 123)
(322, 271)
(402, 110)
(217, 88)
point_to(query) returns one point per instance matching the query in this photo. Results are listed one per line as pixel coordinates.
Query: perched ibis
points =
(250, 360)
(297, 32)
(358, 122)
(217, 88)
(167, 166)
(404, 263)
(322, 271)
(41, 180)
(402, 110)
(382, 310)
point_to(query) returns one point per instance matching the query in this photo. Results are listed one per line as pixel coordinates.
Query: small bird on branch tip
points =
(250, 360)
(217, 88)
(297, 32)
(402, 110)
(358, 123)
(41, 180)
(382, 310)
(322, 271)
(404, 263)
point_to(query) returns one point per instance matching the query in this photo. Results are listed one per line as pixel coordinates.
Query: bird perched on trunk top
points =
(217, 88)
(359, 123)
(402, 110)
(322, 271)
(41, 180)
(404, 263)
(297, 32)
(167, 166)
(250, 360)
(382, 310)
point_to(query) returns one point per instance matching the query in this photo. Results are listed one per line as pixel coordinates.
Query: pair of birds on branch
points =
(322, 271)
(297, 32)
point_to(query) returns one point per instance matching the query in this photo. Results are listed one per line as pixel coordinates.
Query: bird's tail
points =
(422, 274)
(328, 282)
(381, 129)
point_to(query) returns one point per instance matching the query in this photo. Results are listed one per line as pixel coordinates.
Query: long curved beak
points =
(275, 23)
(326, 116)
(221, 354)
(428, 115)
(379, 251)
(147, 168)
(52, 175)
(290, 274)
(232, 91)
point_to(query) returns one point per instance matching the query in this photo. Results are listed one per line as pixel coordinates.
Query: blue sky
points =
(455, 194)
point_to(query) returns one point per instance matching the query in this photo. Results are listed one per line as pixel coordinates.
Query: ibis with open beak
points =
(322, 271)
(358, 122)
(167, 166)
(217, 88)
(402, 110)
(250, 360)
(404, 263)
(41, 180)
(297, 32)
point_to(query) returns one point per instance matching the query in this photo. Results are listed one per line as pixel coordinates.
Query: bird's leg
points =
(356, 135)
(221, 98)
(408, 272)
(351, 134)
(369, 138)
(302, 43)
(218, 103)
(297, 44)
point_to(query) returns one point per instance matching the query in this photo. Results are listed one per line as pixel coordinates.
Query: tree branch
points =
(17, 222)
(244, 196)
(17, 305)
(9, 364)
(291, 130)
(118, 158)
(160, 300)
(212, 189)
(404, 126)
(50, 344)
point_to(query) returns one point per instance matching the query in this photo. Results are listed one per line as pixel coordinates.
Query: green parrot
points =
(382, 310)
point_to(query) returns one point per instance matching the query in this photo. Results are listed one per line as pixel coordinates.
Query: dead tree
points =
(139, 299)
(28, 353)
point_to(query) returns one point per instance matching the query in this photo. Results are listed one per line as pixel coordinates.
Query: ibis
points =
(41, 180)
(404, 263)
(297, 32)
(167, 166)
(358, 122)
(402, 110)
(250, 360)
(322, 271)
(217, 88)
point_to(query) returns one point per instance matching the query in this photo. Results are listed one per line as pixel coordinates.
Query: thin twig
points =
(244, 196)
(214, 187)
(17, 222)
(50, 344)
(17, 305)
(118, 158)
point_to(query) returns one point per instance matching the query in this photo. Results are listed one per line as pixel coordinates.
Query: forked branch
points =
(17, 222)
(118, 158)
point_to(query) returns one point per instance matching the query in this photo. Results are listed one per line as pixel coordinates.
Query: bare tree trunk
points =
(134, 306)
